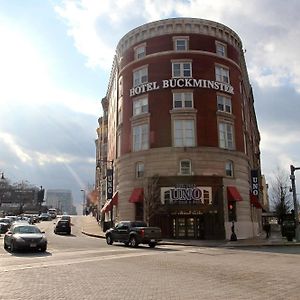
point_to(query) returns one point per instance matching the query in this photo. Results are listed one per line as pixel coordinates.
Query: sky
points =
(55, 63)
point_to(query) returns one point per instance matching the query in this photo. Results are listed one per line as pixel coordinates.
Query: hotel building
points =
(178, 143)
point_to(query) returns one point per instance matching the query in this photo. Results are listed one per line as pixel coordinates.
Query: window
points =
(121, 86)
(183, 100)
(185, 167)
(181, 44)
(140, 52)
(184, 133)
(139, 170)
(119, 145)
(221, 49)
(140, 137)
(140, 76)
(182, 69)
(229, 168)
(222, 74)
(226, 136)
(120, 115)
(224, 104)
(140, 106)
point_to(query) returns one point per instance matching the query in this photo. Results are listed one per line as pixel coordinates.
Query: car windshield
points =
(26, 229)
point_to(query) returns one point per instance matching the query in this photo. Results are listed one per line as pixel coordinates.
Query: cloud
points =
(25, 75)
(272, 30)
(11, 143)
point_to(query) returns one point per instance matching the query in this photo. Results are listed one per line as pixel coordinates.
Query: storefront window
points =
(181, 227)
(190, 227)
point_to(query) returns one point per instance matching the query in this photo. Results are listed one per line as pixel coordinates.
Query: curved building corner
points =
(178, 145)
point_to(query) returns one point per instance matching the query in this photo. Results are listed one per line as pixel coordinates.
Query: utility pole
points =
(296, 216)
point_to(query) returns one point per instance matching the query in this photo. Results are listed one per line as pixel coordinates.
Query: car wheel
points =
(133, 242)
(152, 245)
(43, 249)
(109, 240)
(126, 244)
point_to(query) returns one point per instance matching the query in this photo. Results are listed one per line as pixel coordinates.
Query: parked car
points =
(25, 236)
(6, 221)
(63, 226)
(133, 233)
(4, 227)
(45, 217)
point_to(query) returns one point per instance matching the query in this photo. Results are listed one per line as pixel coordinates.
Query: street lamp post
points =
(83, 203)
(296, 216)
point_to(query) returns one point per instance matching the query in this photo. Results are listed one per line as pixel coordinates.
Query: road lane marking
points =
(77, 261)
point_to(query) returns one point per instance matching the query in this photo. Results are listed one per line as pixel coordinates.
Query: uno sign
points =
(186, 194)
(182, 83)
(254, 183)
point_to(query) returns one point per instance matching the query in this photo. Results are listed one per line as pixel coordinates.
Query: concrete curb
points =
(213, 245)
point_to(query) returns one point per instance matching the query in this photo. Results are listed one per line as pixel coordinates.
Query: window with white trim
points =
(181, 44)
(181, 69)
(226, 135)
(140, 137)
(140, 52)
(184, 133)
(221, 49)
(140, 76)
(222, 74)
(139, 170)
(140, 106)
(185, 167)
(224, 104)
(229, 168)
(183, 100)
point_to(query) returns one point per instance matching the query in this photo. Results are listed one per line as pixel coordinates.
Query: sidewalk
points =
(90, 227)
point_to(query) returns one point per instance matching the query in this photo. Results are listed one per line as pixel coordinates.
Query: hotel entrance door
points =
(188, 227)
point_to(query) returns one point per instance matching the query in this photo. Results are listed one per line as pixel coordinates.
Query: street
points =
(82, 267)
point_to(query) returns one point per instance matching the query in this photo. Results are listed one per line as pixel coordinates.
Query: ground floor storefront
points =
(187, 207)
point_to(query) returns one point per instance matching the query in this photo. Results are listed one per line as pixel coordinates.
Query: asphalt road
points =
(82, 267)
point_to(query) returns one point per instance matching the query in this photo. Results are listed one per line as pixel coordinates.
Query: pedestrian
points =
(267, 228)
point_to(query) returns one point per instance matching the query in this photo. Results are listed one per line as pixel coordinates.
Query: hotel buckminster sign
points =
(181, 83)
(186, 194)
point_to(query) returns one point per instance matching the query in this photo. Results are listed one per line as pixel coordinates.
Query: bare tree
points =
(151, 197)
(280, 196)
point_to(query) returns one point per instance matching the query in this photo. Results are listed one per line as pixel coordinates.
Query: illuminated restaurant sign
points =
(181, 83)
(185, 194)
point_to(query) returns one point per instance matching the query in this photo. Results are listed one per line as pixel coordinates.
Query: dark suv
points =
(63, 226)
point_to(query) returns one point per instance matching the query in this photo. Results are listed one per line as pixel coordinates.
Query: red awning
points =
(254, 201)
(233, 194)
(109, 204)
(115, 199)
(137, 195)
